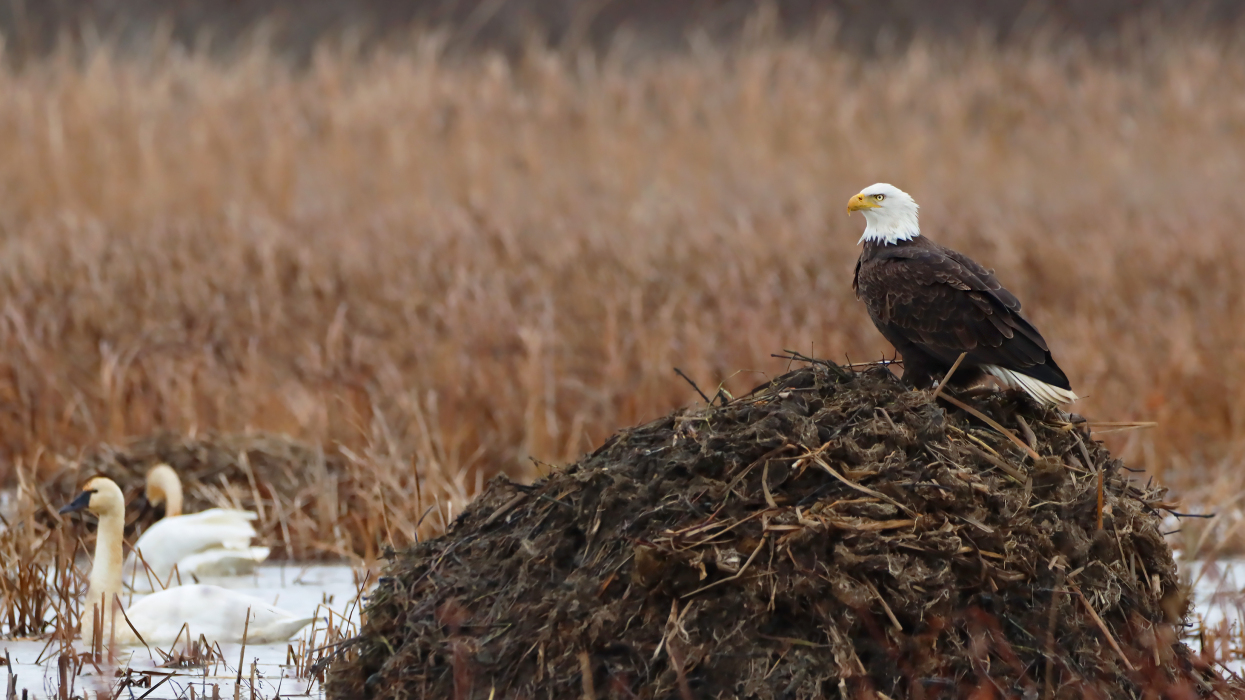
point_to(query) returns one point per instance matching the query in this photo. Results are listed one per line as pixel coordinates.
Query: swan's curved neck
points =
(105, 580)
(173, 501)
(167, 483)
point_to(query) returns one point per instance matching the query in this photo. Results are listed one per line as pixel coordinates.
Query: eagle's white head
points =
(890, 214)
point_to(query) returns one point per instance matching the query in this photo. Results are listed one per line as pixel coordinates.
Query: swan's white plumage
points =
(216, 613)
(214, 542)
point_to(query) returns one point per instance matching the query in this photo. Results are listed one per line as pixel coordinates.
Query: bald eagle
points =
(933, 304)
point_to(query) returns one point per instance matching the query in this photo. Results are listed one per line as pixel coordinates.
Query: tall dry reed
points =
(452, 266)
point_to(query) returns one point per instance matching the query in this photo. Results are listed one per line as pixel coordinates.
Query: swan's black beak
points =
(79, 503)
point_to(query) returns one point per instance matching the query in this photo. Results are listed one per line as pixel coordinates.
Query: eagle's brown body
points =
(933, 303)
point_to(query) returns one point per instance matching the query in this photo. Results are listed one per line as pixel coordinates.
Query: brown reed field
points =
(449, 267)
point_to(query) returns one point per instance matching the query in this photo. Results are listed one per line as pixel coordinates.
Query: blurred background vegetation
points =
(295, 27)
(447, 240)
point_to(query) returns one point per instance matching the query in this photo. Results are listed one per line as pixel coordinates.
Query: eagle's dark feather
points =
(933, 303)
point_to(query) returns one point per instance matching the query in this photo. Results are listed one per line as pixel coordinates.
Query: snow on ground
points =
(304, 590)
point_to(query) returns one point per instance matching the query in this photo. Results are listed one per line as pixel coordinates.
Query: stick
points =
(885, 607)
(1024, 428)
(585, 668)
(997, 462)
(157, 685)
(504, 508)
(866, 526)
(129, 624)
(739, 573)
(246, 625)
(889, 421)
(769, 498)
(1049, 691)
(1119, 427)
(863, 489)
(993, 424)
(947, 376)
(762, 459)
(1103, 626)
(689, 381)
(1100, 498)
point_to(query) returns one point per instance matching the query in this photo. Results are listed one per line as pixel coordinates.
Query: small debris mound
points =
(831, 534)
(254, 471)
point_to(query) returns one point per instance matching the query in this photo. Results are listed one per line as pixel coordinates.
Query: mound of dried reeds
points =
(829, 534)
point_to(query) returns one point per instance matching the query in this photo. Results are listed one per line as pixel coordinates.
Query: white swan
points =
(214, 542)
(217, 613)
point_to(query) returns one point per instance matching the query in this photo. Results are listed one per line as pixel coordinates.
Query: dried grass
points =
(447, 267)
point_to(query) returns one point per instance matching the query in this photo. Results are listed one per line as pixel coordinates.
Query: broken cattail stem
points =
(1105, 630)
(742, 569)
(585, 671)
(885, 608)
(993, 424)
(947, 377)
(1030, 436)
(1100, 498)
(246, 624)
(769, 497)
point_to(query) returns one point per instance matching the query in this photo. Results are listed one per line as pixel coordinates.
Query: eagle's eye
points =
(879, 197)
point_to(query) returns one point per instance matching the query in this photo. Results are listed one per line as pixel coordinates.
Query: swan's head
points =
(163, 486)
(100, 496)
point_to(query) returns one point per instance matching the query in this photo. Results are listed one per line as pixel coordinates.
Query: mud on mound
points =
(256, 472)
(831, 534)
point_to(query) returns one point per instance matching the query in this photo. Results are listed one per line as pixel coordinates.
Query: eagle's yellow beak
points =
(859, 202)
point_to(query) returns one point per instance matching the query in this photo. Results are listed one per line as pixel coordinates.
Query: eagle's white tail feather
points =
(1040, 390)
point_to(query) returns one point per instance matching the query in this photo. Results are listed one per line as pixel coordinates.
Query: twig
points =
(585, 663)
(676, 662)
(867, 525)
(1049, 691)
(1186, 515)
(875, 363)
(246, 625)
(997, 462)
(769, 497)
(689, 381)
(1030, 437)
(1089, 462)
(886, 608)
(426, 512)
(152, 689)
(504, 508)
(551, 499)
(672, 624)
(947, 376)
(742, 569)
(889, 421)
(993, 424)
(801, 357)
(1100, 498)
(1121, 426)
(737, 523)
(863, 489)
(129, 624)
(762, 459)
(1103, 626)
